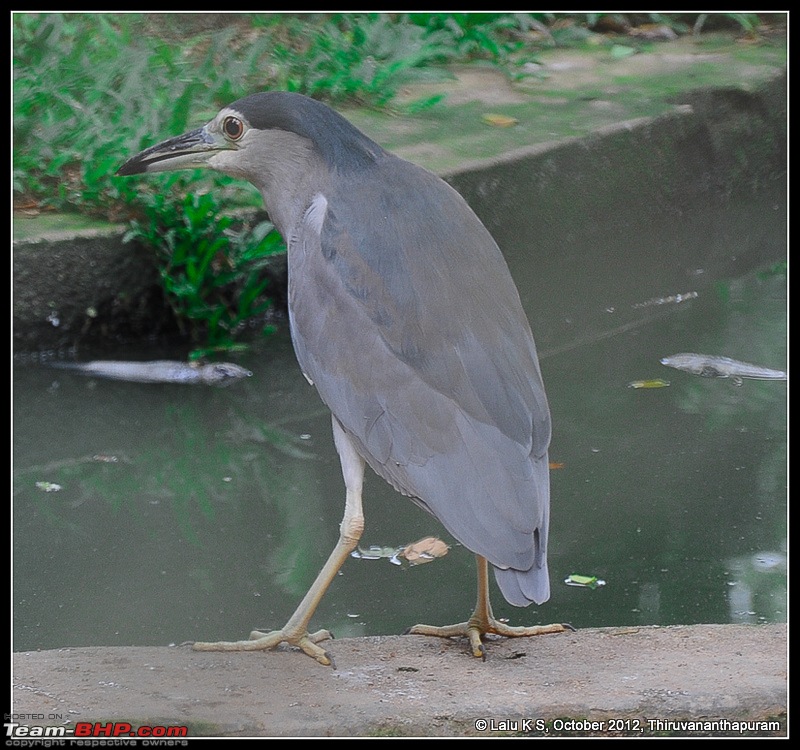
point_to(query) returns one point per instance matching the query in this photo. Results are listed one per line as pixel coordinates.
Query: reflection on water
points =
(198, 513)
(758, 587)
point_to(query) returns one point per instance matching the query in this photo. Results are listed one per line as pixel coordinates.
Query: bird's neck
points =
(294, 174)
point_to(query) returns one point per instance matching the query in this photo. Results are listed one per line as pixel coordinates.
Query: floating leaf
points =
(654, 383)
(499, 121)
(587, 582)
(48, 486)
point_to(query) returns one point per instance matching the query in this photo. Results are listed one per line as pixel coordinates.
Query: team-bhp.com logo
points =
(94, 729)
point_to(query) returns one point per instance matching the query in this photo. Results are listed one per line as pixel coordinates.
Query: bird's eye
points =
(233, 128)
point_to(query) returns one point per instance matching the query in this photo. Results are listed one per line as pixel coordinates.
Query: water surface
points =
(187, 512)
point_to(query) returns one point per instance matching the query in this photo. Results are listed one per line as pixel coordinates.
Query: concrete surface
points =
(637, 681)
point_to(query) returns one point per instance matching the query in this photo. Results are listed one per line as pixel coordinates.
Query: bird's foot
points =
(259, 641)
(476, 628)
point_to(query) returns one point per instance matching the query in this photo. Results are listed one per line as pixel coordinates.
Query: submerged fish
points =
(721, 367)
(160, 371)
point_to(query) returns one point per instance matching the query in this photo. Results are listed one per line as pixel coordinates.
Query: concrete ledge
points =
(635, 681)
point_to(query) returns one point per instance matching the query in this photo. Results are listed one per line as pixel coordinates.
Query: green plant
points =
(86, 87)
(354, 57)
(213, 274)
(476, 35)
(747, 22)
(89, 89)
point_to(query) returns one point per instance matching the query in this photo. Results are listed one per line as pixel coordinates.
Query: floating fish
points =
(374, 552)
(160, 371)
(708, 366)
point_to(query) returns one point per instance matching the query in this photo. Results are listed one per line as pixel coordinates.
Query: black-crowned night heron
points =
(405, 318)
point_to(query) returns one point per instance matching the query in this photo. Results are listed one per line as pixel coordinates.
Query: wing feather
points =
(405, 317)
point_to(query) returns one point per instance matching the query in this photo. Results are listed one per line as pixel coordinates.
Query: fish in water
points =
(721, 367)
(160, 371)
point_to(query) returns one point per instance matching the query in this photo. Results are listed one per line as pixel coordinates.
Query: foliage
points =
(88, 91)
(748, 22)
(364, 58)
(213, 274)
(493, 36)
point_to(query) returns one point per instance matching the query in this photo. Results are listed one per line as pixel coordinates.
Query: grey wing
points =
(416, 340)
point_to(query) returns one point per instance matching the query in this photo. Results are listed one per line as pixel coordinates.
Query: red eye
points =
(233, 128)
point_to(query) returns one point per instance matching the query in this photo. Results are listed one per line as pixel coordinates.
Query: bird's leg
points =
(295, 631)
(483, 621)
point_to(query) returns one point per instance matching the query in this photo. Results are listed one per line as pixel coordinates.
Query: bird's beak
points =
(188, 151)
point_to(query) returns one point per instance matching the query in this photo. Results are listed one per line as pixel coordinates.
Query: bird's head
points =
(204, 147)
(257, 129)
(288, 145)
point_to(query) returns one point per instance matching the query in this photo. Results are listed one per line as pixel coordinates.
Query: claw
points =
(259, 641)
(474, 632)
(483, 622)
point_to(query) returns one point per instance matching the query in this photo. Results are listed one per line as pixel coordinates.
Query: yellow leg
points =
(295, 632)
(483, 622)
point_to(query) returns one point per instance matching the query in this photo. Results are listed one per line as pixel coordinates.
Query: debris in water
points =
(653, 383)
(586, 582)
(423, 551)
(673, 299)
(48, 486)
(499, 121)
(374, 552)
